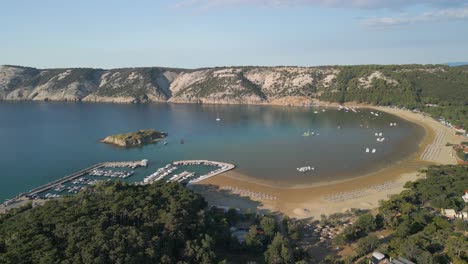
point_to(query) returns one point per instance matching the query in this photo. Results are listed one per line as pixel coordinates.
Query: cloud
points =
(447, 14)
(359, 4)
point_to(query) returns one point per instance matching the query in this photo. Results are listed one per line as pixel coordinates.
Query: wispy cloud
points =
(447, 14)
(363, 4)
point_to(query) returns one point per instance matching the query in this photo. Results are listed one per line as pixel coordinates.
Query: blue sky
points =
(205, 33)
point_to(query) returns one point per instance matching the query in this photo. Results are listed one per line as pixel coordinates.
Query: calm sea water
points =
(40, 142)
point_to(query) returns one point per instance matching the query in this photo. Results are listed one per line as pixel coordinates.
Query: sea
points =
(43, 141)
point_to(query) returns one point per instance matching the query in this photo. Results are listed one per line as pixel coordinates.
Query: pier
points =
(224, 167)
(59, 183)
(186, 175)
(63, 180)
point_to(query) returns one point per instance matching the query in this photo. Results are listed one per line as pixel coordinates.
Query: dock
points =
(59, 182)
(223, 167)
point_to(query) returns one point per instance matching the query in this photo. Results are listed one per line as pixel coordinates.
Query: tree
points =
(252, 241)
(268, 224)
(457, 245)
(367, 244)
(278, 252)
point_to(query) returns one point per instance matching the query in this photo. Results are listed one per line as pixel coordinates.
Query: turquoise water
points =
(43, 141)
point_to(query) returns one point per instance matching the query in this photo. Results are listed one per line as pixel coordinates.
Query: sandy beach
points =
(237, 190)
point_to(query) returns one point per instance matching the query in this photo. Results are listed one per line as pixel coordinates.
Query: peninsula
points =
(134, 139)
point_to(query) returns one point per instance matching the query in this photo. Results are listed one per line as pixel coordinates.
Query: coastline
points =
(362, 192)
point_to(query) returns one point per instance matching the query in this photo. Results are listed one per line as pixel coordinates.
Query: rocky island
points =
(134, 139)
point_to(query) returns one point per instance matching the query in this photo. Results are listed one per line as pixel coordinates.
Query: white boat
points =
(315, 112)
(373, 150)
(218, 119)
(382, 139)
(376, 134)
(367, 150)
(380, 134)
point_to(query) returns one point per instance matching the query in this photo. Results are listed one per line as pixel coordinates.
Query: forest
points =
(412, 224)
(440, 91)
(168, 223)
(126, 223)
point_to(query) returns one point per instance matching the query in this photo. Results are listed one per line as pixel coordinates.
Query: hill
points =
(411, 86)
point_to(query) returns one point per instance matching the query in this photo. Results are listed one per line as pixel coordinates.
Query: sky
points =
(208, 33)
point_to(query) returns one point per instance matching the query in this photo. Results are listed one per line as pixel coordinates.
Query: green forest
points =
(168, 223)
(126, 223)
(413, 222)
(446, 87)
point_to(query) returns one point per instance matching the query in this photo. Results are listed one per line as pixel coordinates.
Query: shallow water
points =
(40, 142)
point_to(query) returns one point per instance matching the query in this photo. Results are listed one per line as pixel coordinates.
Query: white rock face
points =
(228, 85)
(366, 82)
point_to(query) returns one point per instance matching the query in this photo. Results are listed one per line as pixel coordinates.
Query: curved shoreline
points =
(308, 201)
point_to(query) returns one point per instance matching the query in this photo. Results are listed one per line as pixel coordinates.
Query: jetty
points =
(223, 167)
(58, 185)
(61, 181)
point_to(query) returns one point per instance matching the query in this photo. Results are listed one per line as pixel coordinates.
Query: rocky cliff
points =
(245, 85)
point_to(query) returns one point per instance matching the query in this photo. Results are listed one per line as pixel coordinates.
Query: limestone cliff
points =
(224, 85)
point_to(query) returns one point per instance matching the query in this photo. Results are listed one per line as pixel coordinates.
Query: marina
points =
(186, 176)
(74, 183)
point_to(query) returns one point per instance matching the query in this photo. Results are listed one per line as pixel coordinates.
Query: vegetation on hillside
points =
(416, 87)
(417, 229)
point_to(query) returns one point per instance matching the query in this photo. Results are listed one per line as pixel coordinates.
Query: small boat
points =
(376, 134)
(315, 112)
(218, 119)
(373, 150)
(323, 110)
(165, 143)
(380, 134)
(367, 150)
(182, 141)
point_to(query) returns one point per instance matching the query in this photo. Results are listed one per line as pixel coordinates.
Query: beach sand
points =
(237, 190)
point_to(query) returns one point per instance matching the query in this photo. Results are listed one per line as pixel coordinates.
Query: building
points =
(377, 258)
(449, 213)
(465, 196)
(460, 130)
